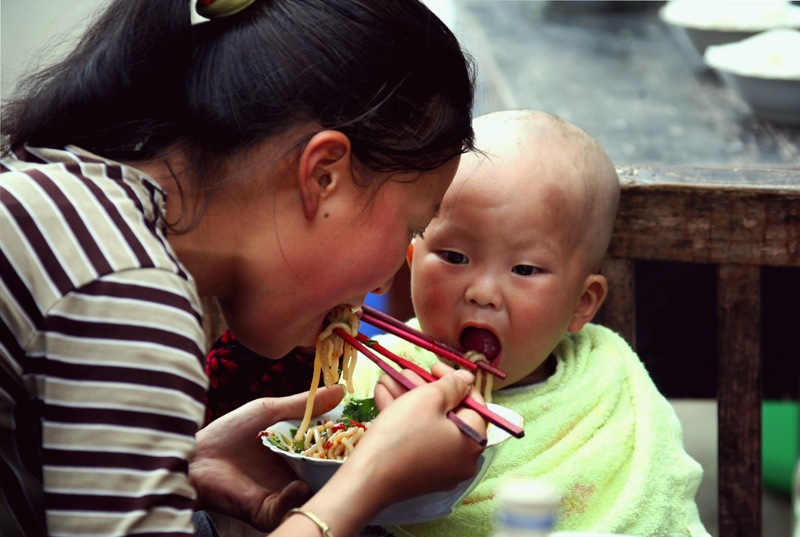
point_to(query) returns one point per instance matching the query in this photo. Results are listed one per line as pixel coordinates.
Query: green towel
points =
(598, 430)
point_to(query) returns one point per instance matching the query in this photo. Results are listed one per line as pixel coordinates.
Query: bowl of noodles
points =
(315, 470)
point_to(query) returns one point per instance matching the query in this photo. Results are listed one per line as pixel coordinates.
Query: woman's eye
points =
(525, 270)
(415, 234)
(454, 258)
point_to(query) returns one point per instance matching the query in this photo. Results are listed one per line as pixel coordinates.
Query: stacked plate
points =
(753, 45)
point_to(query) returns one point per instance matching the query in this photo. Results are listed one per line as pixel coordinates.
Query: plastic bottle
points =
(796, 500)
(527, 508)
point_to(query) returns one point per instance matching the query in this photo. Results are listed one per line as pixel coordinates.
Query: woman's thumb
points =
(294, 406)
(327, 398)
(456, 386)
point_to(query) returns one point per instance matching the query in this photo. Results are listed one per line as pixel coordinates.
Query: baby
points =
(510, 268)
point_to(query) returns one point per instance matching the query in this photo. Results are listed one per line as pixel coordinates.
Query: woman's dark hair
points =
(388, 74)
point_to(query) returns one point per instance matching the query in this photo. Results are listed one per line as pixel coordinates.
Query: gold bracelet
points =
(326, 530)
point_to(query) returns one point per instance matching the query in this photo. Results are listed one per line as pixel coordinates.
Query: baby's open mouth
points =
(481, 340)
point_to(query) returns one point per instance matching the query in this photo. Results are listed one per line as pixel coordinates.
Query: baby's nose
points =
(485, 293)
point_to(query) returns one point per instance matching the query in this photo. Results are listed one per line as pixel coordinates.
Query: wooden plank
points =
(701, 215)
(739, 370)
(786, 180)
(618, 312)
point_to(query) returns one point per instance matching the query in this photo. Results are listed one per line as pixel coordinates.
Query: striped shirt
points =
(101, 349)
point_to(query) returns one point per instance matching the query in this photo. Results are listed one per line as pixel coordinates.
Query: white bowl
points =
(765, 71)
(773, 99)
(316, 472)
(697, 40)
(699, 24)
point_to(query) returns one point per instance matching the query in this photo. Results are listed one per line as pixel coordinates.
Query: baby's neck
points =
(541, 373)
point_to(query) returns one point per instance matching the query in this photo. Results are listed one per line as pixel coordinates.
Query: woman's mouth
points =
(481, 340)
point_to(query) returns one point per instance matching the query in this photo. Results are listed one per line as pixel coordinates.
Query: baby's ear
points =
(410, 253)
(595, 289)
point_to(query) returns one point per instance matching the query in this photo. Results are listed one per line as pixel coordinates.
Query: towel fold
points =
(598, 430)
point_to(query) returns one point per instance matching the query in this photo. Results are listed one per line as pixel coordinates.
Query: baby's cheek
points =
(431, 300)
(435, 318)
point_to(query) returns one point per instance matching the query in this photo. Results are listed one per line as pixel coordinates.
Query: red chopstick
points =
(408, 384)
(378, 314)
(483, 410)
(385, 322)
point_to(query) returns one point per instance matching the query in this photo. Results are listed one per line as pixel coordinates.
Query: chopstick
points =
(408, 384)
(378, 314)
(385, 322)
(483, 410)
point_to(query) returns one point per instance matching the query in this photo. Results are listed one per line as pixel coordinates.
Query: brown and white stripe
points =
(101, 349)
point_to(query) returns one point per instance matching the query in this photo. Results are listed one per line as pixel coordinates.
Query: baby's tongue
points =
(480, 340)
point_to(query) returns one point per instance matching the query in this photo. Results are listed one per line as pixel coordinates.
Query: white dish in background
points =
(316, 472)
(765, 71)
(698, 25)
(772, 99)
(770, 54)
(731, 16)
(696, 41)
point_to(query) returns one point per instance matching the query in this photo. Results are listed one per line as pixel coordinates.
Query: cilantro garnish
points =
(360, 410)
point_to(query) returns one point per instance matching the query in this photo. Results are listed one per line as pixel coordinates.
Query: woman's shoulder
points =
(75, 176)
(71, 218)
(80, 203)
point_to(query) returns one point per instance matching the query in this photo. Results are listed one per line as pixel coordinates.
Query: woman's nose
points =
(384, 287)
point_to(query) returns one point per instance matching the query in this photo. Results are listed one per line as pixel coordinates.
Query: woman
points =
(279, 157)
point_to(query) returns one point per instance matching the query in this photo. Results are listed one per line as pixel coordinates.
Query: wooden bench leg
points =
(739, 396)
(618, 312)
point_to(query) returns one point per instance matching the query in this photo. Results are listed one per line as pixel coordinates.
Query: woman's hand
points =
(410, 449)
(236, 475)
(419, 419)
(389, 389)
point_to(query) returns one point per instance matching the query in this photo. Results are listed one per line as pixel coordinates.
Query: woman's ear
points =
(324, 163)
(595, 289)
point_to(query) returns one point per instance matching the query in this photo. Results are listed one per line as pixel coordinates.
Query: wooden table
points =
(623, 76)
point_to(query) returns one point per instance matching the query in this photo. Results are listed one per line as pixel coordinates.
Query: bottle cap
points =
(528, 493)
(527, 507)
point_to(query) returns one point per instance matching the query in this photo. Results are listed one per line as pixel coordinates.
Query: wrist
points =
(321, 524)
(349, 501)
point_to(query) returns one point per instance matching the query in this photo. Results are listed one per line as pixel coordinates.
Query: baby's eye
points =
(525, 270)
(454, 258)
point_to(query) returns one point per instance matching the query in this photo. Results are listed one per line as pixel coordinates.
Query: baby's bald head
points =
(539, 154)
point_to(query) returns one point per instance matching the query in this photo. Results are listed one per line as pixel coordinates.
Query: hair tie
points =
(215, 9)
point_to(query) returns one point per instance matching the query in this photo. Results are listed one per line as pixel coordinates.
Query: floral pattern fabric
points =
(238, 375)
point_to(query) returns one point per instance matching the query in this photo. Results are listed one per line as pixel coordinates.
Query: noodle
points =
(329, 440)
(326, 361)
(474, 357)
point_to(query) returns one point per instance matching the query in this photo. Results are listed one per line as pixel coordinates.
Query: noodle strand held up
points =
(474, 357)
(326, 361)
